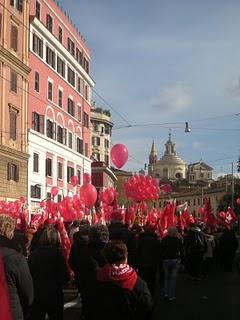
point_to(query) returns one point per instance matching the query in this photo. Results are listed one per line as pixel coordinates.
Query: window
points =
(13, 85)
(37, 45)
(86, 96)
(79, 56)
(95, 126)
(60, 134)
(60, 97)
(13, 123)
(106, 159)
(13, 172)
(17, 4)
(79, 113)
(70, 140)
(79, 84)
(85, 120)
(71, 47)
(35, 162)
(71, 76)
(95, 141)
(48, 167)
(50, 90)
(86, 149)
(61, 67)
(14, 38)
(60, 170)
(49, 23)
(79, 146)
(70, 173)
(38, 122)
(86, 65)
(36, 83)
(59, 198)
(36, 192)
(50, 57)
(50, 126)
(79, 176)
(60, 34)
(106, 143)
(38, 10)
(107, 129)
(71, 106)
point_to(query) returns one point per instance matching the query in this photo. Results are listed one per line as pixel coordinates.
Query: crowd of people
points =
(117, 269)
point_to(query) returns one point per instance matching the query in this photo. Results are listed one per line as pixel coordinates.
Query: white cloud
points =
(174, 99)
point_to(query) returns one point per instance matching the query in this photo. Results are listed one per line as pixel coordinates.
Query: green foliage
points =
(226, 201)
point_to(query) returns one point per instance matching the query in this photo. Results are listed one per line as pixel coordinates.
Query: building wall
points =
(13, 98)
(58, 146)
(195, 199)
(160, 170)
(101, 136)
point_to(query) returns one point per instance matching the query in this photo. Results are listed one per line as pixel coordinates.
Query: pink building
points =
(59, 103)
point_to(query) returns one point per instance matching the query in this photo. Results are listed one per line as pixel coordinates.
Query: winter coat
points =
(121, 295)
(49, 272)
(148, 247)
(195, 242)
(18, 279)
(171, 248)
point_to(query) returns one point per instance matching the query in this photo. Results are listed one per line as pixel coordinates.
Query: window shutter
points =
(41, 124)
(54, 130)
(65, 136)
(14, 38)
(17, 174)
(9, 171)
(11, 2)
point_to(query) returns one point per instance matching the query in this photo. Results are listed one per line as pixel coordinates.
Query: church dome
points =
(169, 159)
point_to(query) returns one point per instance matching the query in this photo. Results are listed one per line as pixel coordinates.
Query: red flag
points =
(5, 311)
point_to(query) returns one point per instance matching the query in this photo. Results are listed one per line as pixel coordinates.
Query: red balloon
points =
(22, 200)
(86, 178)
(119, 155)
(238, 200)
(74, 180)
(54, 191)
(88, 194)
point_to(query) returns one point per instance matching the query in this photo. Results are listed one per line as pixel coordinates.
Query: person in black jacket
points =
(18, 276)
(50, 273)
(148, 246)
(195, 246)
(84, 259)
(121, 293)
(171, 252)
(228, 245)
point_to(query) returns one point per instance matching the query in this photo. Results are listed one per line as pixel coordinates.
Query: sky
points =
(161, 63)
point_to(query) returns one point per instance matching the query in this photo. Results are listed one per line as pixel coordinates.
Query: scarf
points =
(122, 275)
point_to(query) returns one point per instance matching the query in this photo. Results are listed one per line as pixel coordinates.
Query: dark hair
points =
(84, 221)
(99, 232)
(76, 223)
(115, 251)
(50, 237)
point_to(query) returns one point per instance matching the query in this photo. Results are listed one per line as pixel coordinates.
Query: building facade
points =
(101, 124)
(199, 171)
(101, 134)
(59, 103)
(14, 71)
(169, 166)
